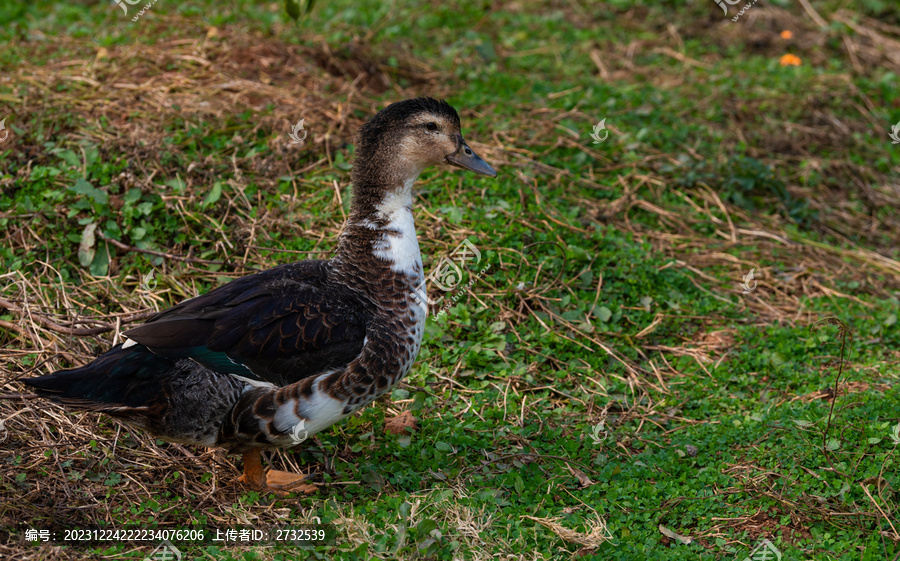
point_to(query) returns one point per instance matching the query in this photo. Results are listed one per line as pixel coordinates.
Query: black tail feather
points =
(176, 399)
(120, 378)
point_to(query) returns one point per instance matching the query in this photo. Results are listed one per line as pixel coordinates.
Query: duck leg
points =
(253, 471)
(279, 482)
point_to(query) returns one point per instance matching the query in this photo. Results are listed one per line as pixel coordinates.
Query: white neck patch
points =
(400, 249)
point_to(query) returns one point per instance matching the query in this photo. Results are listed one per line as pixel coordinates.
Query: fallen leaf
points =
(87, 248)
(401, 424)
(683, 540)
(583, 479)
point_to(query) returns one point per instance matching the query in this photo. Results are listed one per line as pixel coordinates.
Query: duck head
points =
(403, 139)
(415, 134)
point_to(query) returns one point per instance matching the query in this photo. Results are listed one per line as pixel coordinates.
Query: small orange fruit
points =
(790, 60)
(786, 34)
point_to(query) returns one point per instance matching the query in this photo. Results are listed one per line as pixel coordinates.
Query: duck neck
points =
(381, 225)
(379, 205)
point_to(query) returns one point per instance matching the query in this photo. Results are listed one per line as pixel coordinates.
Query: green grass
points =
(613, 293)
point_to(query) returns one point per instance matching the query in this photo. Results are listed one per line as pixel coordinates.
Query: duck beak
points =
(466, 158)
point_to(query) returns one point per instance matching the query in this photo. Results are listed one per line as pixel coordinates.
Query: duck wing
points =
(277, 326)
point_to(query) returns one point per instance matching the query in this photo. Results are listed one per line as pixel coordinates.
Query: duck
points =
(269, 359)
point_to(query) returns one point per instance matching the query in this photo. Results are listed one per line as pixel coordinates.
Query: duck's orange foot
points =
(278, 482)
(282, 481)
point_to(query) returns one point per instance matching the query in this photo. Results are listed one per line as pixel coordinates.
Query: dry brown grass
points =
(70, 457)
(138, 89)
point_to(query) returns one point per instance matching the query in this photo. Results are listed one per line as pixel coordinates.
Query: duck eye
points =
(431, 126)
